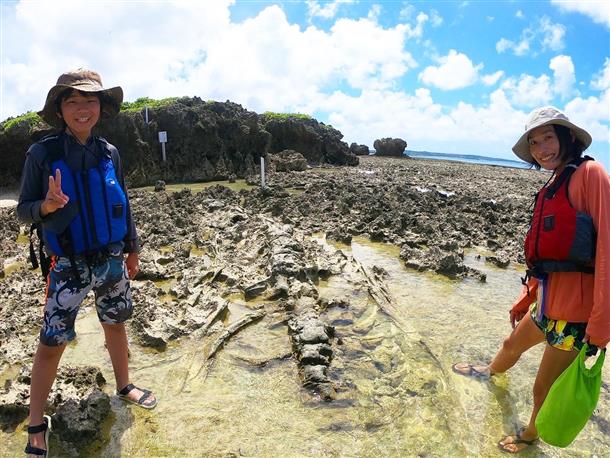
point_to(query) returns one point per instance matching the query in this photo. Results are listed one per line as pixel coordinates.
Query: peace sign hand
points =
(55, 198)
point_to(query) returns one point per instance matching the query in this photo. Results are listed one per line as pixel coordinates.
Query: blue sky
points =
(447, 76)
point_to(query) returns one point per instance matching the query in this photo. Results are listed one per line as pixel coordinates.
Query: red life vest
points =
(560, 239)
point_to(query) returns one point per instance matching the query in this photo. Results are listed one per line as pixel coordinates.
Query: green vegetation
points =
(31, 117)
(282, 116)
(142, 102)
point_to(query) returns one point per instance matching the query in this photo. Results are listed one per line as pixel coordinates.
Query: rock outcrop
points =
(206, 141)
(317, 141)
(390, 146)
(359, 150)
(287, 160)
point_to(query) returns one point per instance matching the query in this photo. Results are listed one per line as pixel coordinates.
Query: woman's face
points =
(81, 112)
(545, 148)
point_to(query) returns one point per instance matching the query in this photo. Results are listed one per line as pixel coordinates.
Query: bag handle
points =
(597, 366)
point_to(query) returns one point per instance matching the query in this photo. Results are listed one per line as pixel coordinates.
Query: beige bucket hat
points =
(85, 81)
(542, 117)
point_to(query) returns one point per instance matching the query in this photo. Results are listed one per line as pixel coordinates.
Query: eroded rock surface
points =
(203, 250)
(76, 403)
(312, 344)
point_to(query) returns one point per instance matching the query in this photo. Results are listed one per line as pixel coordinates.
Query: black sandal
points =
(140, 402)
(44, 426)
(517, 441)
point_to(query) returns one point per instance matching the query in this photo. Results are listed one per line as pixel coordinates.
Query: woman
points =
(72, 185)
(568, 281)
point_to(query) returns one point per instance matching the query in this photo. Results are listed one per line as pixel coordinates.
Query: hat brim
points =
(522, 147)
(112, 105)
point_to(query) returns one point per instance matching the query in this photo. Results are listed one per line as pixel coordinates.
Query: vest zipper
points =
(105, 195)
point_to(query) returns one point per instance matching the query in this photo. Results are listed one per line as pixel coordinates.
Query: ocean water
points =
(469, 158)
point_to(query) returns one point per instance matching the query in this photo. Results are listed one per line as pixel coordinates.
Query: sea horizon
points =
(470, 158)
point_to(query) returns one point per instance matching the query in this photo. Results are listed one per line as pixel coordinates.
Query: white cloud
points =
(491, 79)
(417, 31)
(407, 11)
(552, 34)
(327, 11)
(598, 11)
(455, 71)
(425, 124)
(528, 91)
(519, 14)
(435, 18)
(198, 51)
(563, 75)
(374, 12)
(503, 45)
(593, 114)
(601, 80)
(519, 49)
(545, 33)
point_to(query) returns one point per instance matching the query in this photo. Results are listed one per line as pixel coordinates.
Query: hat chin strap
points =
(74, 136)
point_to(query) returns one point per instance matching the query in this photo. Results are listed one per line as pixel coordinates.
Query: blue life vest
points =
(101, 218)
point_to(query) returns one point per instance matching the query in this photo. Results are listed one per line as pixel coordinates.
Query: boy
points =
(73, 185)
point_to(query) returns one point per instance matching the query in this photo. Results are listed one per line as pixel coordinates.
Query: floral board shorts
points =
(106, 276)
(562, 334)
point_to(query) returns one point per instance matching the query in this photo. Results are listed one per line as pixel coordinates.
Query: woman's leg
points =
(554, 362)
(522, 338)
(44, 371)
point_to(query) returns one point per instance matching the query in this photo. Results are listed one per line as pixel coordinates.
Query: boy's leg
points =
(114, 307)
(44, 370)
(116, 341)
(65, 292)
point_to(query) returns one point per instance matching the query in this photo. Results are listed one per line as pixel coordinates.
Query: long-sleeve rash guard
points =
(574, 296)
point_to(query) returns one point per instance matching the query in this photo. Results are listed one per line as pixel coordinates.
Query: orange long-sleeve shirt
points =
(574, 296)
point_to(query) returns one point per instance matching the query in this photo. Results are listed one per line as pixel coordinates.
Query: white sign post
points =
(262, 172)
(163, 141)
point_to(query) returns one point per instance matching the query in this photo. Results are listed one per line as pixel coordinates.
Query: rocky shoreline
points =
(202, 250)
(206, 141)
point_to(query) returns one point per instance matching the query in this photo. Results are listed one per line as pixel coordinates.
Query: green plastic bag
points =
(571, 401)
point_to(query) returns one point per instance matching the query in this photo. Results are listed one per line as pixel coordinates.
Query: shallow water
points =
(397, 395)
(196, 187)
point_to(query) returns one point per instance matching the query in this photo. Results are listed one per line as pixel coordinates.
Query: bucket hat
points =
(85, 81)
(543, 117)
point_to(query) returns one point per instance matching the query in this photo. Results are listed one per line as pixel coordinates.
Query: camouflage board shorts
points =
(66, 290)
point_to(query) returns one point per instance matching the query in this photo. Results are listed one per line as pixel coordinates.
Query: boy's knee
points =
(49, 351)
(113, 326)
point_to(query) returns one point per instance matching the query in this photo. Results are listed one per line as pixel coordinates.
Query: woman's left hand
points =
(133, 265)
(587, 339)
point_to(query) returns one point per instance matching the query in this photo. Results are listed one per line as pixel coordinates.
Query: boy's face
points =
(81, 112)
